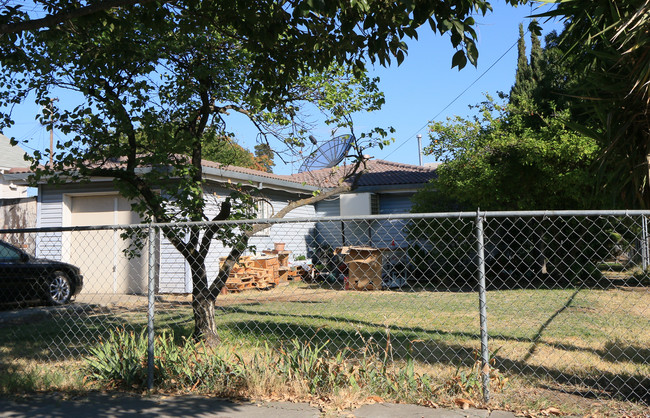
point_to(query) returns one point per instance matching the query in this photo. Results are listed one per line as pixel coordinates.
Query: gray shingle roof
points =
(378, 173)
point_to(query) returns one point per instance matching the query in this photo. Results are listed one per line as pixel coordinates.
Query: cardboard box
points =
(364, 267)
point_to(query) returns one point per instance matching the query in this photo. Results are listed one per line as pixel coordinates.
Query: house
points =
(11, 157)
(385, 188)
(17, 209)
(100, 253)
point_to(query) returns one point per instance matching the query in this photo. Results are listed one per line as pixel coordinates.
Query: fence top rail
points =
(392, 217)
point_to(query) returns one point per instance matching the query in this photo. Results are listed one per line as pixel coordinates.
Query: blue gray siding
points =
(391, 233)
(175, 272)
(379, 234)
(328, 232)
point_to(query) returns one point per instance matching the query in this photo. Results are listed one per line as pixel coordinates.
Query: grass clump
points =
(468, 382)
(23, 377)
(367, 372)
(295, 369)
(120, 361)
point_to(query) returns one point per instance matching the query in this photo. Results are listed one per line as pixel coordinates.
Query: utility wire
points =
(464, 91)
(455, 98)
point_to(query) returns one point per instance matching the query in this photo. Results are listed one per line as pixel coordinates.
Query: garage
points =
(100, 254)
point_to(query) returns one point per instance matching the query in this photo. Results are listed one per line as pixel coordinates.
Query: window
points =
(374, 204)
(264, 210)
(9, 254)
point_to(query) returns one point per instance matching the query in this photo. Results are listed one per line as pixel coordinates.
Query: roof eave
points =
(223, 176)
(393, 188)
(23, 177)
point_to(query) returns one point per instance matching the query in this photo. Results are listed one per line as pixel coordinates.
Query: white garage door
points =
(100, 254)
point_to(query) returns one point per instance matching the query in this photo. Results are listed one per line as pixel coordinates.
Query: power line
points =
(455, 98)
(464, 91)
(25, 144)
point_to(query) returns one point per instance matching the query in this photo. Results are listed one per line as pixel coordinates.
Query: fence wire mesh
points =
(568, 296)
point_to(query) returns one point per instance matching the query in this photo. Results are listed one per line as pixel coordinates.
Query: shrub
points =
(121, 361)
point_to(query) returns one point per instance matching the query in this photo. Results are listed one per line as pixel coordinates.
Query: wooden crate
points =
(239, 282)
(283, 256)
(269, 263)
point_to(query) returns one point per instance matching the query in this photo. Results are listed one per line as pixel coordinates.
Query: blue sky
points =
(425, 84)
(422, 88)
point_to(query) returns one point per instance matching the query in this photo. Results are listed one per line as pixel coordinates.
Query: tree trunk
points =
(205, 327)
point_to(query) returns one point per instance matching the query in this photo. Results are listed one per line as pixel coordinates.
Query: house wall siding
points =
(174, 272)
(328, 232)
(394, 203)
(380, 234)
(15, 214)
(295, 236)
(391, 233)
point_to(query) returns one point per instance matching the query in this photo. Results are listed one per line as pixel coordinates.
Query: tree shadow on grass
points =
(431, 346)
(65, 333)
(81, 328)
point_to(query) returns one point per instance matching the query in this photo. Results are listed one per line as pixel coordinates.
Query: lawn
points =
(550, 344)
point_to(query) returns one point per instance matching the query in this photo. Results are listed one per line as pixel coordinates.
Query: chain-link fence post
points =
(485, 354)
(644, 243)
(151, 300)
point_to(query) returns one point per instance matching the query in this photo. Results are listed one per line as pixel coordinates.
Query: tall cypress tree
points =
(521, 91)
(536, 56)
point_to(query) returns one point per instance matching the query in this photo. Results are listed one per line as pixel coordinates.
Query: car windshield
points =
(9, 253)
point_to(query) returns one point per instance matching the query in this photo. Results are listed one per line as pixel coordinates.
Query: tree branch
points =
(239, 248)
(209, 234)
(55, 19)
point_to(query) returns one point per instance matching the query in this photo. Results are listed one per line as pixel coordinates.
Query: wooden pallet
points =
(245, 277)
(287, 274)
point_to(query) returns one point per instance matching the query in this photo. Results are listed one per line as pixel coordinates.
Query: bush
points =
(121, 361)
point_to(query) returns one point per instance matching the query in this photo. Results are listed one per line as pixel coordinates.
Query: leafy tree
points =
(526, 90)
(225, 150)
(152, 79)
(609, 49)
(522, 89)
(496, 162)
(518, 155)
(536, 55)
(264, 155)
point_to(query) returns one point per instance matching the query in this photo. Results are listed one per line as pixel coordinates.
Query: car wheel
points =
(59, 289)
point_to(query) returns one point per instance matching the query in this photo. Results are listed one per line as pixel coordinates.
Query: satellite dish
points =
(329, 154)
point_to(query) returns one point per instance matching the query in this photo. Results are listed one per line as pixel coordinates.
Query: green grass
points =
(582, 341)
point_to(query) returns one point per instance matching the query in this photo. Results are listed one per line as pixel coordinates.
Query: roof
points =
(249, 171)
(215, 171)
(378, 173)
(262, 178)
(11, 156)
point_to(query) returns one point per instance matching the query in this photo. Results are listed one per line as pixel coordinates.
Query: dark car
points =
(25, 278)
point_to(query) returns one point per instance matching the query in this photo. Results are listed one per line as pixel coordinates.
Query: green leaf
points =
(459, 60)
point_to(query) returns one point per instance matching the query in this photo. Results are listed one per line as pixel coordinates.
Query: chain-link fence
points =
(557, 302)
